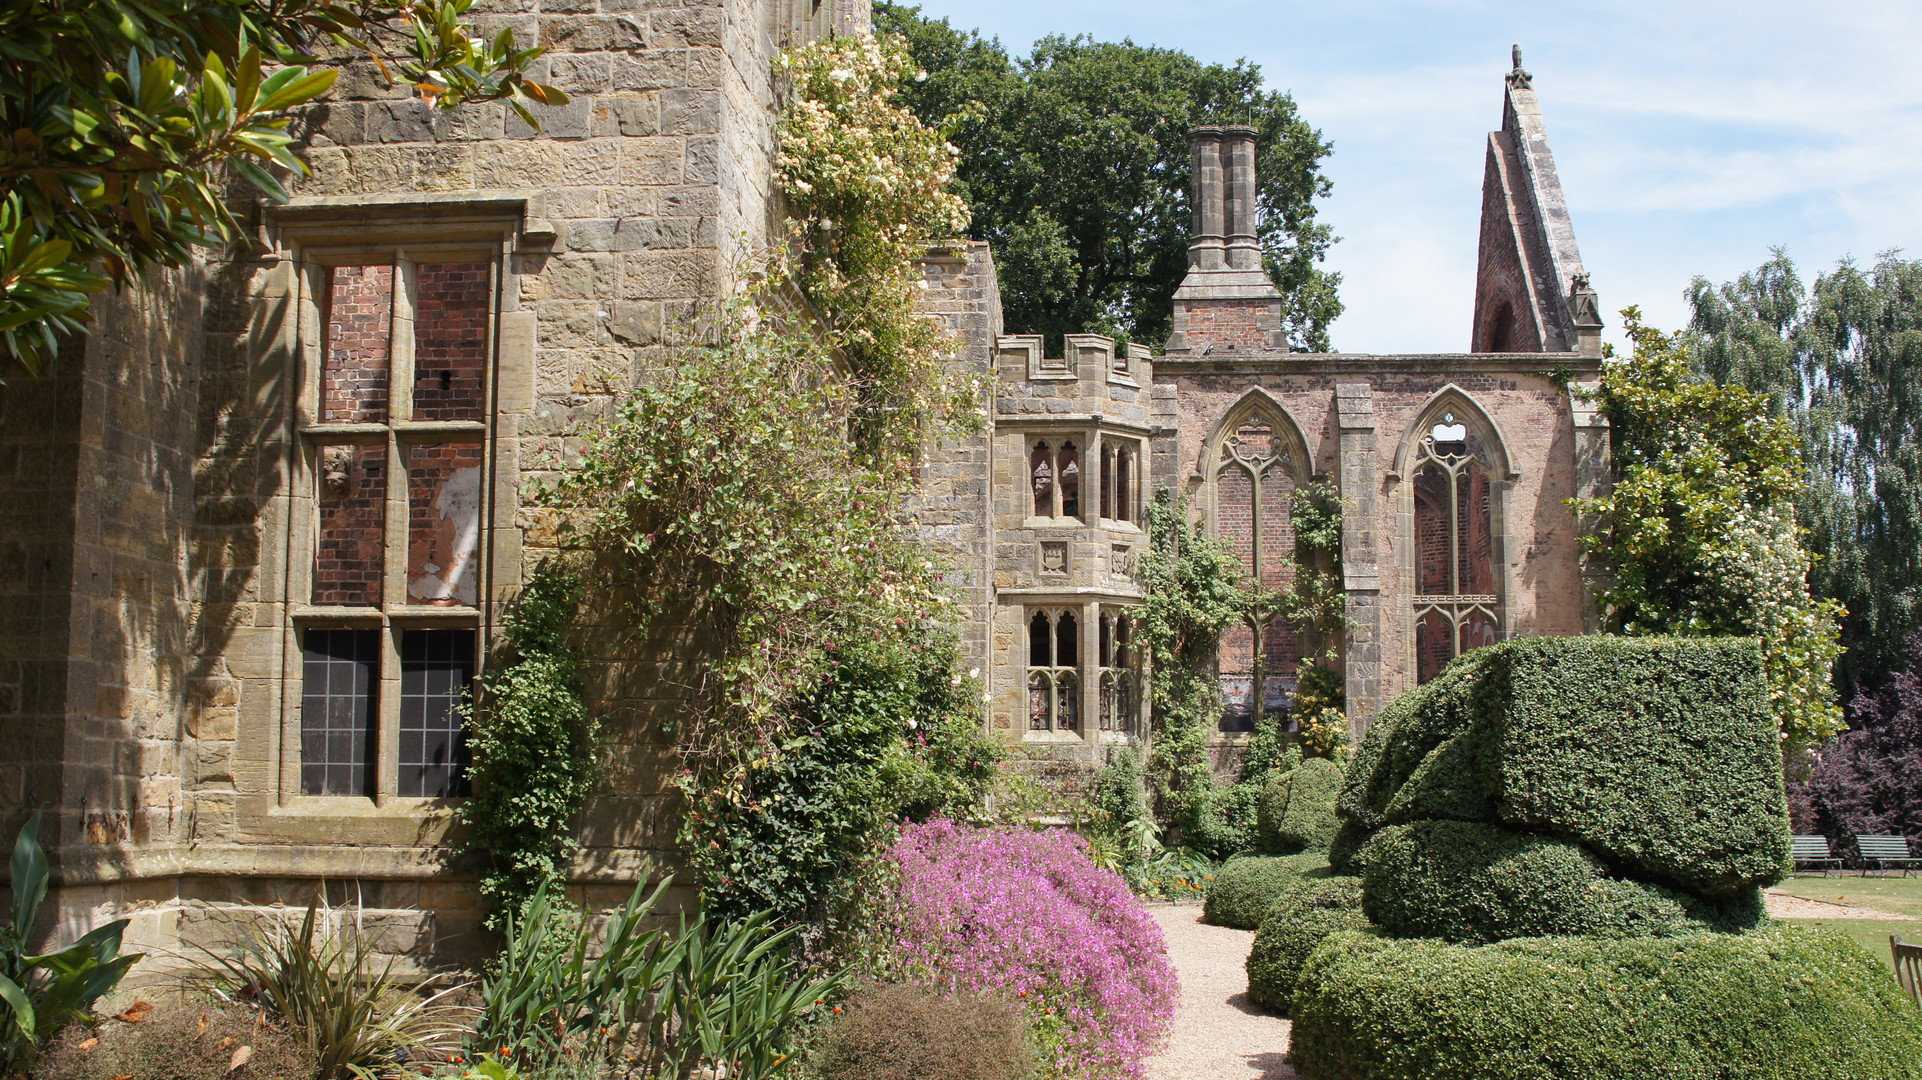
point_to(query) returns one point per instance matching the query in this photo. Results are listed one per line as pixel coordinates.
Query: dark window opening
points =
(339, 698)
(436, 668)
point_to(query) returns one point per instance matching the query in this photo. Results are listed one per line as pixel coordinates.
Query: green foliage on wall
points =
(1699, 530)
(1075, 159)
(1194, 592)
(535, 748)
(122, 118)
(745, 495)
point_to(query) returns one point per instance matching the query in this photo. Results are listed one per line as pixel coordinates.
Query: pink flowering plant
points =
(1028, 916)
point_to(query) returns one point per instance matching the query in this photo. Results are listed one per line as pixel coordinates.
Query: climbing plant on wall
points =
(749, 491)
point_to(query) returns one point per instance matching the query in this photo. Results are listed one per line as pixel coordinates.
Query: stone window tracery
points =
(1054, 475)
(1120, 673)
(1118, 496)
(1255, 477)
(1456, 603)
(1054, 670)
(394, 456)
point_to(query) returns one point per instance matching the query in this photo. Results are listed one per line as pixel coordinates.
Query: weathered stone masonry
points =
(262, 523)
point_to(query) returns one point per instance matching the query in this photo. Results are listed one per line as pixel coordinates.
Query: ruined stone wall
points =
(1357, 415)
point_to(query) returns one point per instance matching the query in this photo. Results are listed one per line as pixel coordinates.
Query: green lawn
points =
(1871, 934)
(1901, 895)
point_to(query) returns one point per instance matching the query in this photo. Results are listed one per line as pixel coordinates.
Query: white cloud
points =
(1690, 137)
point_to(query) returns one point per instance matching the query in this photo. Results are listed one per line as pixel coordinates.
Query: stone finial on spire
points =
(1518, 78)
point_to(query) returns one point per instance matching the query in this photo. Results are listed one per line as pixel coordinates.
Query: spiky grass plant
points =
(330, 991)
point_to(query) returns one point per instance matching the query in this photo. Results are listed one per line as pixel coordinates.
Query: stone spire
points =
(1226, 304)
(1531, 291)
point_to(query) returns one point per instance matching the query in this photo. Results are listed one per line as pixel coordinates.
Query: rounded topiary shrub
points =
(909, 1032)
(1780, 1003)
(1245, 887)
(1476, 883)
(1299, 921)
(1297, 811)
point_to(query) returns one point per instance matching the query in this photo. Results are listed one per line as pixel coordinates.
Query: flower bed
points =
(1028, 916)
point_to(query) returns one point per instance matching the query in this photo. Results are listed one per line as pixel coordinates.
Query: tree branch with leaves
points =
(118, 119)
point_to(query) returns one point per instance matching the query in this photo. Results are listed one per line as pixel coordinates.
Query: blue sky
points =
(1691, 136)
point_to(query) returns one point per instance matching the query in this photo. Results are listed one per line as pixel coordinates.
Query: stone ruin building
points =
(260, 526)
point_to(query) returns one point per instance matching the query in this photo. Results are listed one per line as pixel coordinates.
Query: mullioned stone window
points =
(1054, 670)
(1256, 462)
(395, 451)
(1457, 606)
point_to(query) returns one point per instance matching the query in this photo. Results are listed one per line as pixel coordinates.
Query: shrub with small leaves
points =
(1298, 921)
(1245, 888)
(912, 1032)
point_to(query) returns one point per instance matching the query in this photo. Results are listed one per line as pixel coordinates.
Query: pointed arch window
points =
(1117, 480)
(1456, 603)
(1254, 482)
(1054, 477)
(1054, 670)
(1120, 674)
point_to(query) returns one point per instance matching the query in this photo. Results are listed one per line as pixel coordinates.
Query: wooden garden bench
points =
(1886, 852)
(1908, 966)
(1813, 851)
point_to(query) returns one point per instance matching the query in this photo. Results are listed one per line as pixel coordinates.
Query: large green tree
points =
(120, 121)
(1843, 361)
(1075, 161)
(1699, 529)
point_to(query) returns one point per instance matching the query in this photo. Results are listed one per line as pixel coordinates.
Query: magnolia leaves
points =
(120, 122)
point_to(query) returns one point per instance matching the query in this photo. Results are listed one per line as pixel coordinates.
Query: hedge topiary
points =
(1476, 883)
(1659, 755)
(1245, 887)
(1782, 1003)
(1298, 807)
(1299, 921)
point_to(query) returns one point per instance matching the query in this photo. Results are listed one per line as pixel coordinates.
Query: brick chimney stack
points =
(1226, 304)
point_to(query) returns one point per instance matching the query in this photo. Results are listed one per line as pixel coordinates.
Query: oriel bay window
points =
(393, 461)
(1456, 602)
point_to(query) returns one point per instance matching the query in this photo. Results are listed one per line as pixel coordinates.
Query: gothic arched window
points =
(1054, 475)
(1456, 602)
(1120, 672)
(1054, 671)
(1254, 482)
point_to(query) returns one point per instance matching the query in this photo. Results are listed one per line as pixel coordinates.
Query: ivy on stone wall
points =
(747, 494)
(1196, 589)
(534, 741)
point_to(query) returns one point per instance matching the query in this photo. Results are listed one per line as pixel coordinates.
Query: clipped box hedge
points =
(1781, 1003)
(1659, 755)
(1297, 809)
(1296, 925)
(1475, 883)
(1247, 886)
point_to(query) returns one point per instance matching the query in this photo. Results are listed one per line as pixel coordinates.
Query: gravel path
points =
(1218, 1034)
(1783, 906)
